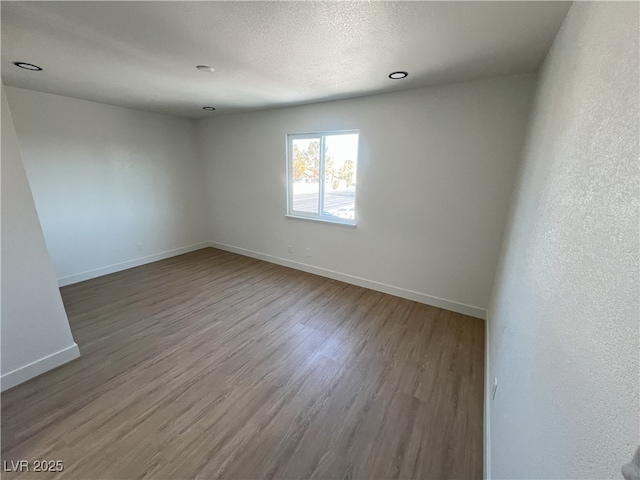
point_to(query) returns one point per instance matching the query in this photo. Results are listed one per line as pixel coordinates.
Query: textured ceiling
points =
(265, 54)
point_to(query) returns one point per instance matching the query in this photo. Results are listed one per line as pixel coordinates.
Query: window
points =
(321, 171)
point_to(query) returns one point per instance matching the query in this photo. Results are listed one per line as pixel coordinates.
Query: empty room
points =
(320, 240)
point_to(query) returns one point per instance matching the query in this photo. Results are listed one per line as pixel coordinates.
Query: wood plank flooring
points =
(214, 365)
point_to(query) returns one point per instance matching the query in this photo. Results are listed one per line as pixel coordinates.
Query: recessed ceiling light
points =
(209, 109)
(205, 68)
(398, 75)
(28, 66)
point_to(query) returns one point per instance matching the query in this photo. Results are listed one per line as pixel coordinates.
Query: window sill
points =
(323, 220)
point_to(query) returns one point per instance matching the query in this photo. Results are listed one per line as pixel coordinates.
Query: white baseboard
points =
(343, 277)
(487, 402)
(33, 369)
(136, 262)
(361, 282)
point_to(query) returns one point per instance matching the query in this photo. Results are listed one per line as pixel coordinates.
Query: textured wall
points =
(565, 314)
(435, 173)
(106, 178)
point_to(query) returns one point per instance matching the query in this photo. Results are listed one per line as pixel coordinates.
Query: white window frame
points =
(318, 217)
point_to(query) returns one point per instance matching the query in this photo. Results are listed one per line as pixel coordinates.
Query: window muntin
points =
(322, 170)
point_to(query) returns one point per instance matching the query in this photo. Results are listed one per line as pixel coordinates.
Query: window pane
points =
(306, 174)
(341, 157)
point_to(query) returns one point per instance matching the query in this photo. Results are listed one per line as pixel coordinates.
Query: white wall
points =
(435, 174)
(105, 178)
(564, 321)
(34, 329)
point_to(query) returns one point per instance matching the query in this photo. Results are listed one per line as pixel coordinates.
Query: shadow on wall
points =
(631, 471)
